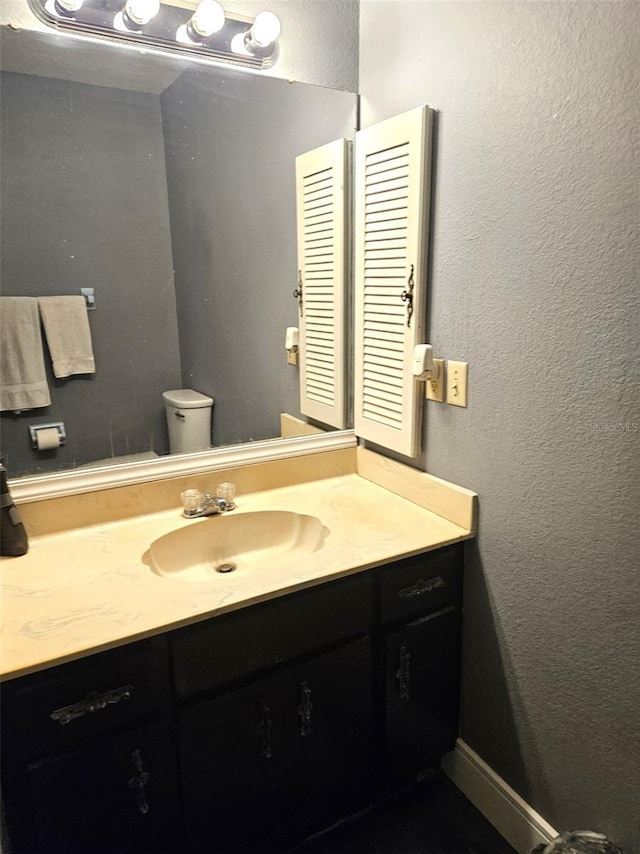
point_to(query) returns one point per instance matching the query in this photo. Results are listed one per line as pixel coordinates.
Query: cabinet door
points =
(115, 796)
(232, 763)
(332, 749)
(270, 762)
(422, 694)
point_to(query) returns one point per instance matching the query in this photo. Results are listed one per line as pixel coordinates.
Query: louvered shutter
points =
(321, 201)
(392, 183)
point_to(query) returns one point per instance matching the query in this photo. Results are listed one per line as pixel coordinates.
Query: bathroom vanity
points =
(282, 718)
(280, 704)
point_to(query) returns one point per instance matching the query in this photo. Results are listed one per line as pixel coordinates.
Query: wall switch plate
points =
(457, 383)
(292, 357)
(435, 387)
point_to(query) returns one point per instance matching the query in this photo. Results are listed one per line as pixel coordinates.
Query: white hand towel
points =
(23, 380)
(66, 326)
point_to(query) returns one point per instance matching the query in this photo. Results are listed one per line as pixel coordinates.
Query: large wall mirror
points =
(167, 186)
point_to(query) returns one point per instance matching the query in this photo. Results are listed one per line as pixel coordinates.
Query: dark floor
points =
(434, 818)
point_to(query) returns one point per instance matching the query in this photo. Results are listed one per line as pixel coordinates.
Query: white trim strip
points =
(42, 487)
(511, 815)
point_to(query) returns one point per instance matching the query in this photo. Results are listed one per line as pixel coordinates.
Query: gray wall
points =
(234, 235)
(535, 283)
(84, 203)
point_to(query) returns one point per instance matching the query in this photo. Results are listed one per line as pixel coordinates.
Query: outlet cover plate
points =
(435, 388)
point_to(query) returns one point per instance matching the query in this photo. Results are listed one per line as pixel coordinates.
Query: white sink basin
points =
(230, 541)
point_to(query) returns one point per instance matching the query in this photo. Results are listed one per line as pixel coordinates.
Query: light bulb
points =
(66, 7)
(207, 19)
(265, 30)
(140, 12)
(238, 44)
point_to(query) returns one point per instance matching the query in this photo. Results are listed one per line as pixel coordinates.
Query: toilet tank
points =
(188, 419)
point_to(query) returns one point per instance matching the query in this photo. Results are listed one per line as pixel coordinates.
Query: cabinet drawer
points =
(419, 585)
(64, 705)
(235, 645)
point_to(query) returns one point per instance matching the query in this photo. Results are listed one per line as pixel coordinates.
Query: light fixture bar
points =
(202, 29)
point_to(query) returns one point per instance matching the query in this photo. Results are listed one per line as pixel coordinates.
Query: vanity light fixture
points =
(199, 27)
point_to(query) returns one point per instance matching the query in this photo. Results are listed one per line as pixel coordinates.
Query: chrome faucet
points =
(210, 506)
(198, 504)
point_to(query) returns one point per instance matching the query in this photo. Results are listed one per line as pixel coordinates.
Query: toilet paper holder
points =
(34, 429)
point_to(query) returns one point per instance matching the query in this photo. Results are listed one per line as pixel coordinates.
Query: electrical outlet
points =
(435, 387)
(457, 383)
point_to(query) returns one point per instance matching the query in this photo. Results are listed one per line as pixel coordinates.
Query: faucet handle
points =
(227, 491)
(190, 501)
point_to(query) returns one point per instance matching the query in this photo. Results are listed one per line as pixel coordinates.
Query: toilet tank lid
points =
(187, 398)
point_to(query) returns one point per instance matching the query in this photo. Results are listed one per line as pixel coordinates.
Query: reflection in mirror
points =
(167, 186)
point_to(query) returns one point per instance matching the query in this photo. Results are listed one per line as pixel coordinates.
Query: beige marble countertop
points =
(90, 589)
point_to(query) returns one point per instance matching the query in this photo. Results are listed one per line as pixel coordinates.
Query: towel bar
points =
(89, 295)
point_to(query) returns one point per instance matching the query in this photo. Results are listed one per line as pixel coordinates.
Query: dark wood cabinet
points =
(88, 764)
(245, 732)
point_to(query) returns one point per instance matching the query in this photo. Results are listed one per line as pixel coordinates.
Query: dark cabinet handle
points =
(138, 782)
(264, 730)
(305, 709)
(421, 587)
(298, 292)
(403, 674)
(93, 702)
(407, 296)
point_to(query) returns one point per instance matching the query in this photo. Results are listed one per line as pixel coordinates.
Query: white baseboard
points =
(513, 818)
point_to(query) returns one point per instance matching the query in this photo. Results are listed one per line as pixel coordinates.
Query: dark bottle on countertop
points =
(13, 537)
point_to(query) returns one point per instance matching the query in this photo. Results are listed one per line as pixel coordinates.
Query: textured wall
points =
(84, 204)
(535, 283)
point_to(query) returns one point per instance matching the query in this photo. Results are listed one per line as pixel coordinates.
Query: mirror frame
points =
(59, 484)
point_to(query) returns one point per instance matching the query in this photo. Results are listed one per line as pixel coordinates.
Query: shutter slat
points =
(319, 230)
(387, 195)
(316, 177)
(387, 154)
(376, 235)
(389, 166)
(381, 244)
